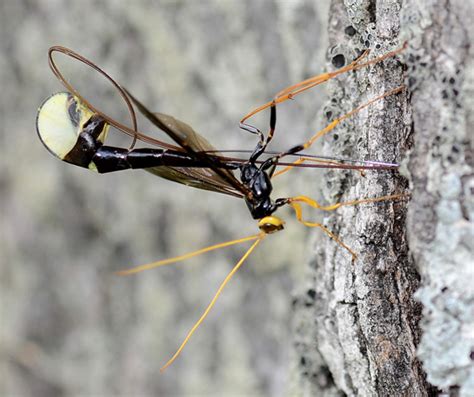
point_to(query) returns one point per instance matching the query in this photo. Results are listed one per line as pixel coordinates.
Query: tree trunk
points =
(440, 169)
(358, 326)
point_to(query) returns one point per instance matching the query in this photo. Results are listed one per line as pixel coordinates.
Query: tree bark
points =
(440, 169)
(358, 326)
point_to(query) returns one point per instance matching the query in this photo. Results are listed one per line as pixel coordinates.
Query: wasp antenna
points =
(260, 237)
(185, 256)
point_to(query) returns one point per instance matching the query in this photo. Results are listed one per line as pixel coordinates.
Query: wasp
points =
(75, 132)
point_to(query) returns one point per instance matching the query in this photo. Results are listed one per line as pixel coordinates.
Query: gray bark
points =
(440, 168)
(360, 335)
(364, 317)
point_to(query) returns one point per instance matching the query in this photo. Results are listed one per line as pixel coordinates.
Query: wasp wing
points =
(201, 178)
(214, 178)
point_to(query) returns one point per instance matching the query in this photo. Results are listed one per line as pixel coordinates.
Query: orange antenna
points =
(185, 256)
(213, 301)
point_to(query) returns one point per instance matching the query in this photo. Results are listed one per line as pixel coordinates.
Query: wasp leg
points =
(263, 142)
(296, 89)
(299, 216)
(294, 202)
(313, 203)
(331, 127)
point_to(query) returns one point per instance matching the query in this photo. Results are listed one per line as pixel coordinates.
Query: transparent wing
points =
(214, 178)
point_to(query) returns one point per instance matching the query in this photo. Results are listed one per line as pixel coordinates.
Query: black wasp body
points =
(258, 181)
(83, 134)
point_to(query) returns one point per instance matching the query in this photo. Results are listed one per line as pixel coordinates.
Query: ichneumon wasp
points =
(75, 132)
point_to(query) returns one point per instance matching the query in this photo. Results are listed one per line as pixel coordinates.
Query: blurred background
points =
(69, 325)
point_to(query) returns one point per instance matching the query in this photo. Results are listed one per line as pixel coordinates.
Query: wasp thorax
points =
(270, 224)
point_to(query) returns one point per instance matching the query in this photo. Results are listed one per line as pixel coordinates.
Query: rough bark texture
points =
(440, 168)
(359, 326)
(364, 317)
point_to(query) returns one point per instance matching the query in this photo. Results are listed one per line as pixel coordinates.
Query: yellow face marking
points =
(270, 224)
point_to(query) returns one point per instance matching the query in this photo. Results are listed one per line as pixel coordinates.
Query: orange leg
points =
(332, 207)
(333, 125)
(293, 90)
(294, 202)
(299, 217)
(337, 121)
